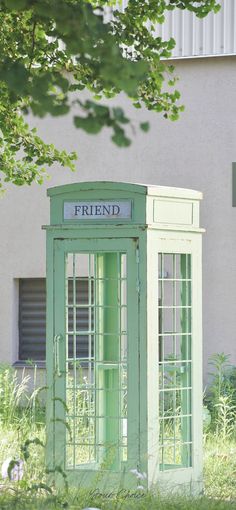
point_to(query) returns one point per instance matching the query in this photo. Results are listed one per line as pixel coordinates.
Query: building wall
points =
(213, 35)
(195, 152)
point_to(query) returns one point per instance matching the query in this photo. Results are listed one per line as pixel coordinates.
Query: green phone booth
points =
(124, 340)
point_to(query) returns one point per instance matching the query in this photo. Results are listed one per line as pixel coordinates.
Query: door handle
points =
(57, 354)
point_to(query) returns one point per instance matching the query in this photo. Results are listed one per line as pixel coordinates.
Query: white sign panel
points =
(92, 210)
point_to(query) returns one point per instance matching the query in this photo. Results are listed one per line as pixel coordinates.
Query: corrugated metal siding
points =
(32, 318)
(211, 36)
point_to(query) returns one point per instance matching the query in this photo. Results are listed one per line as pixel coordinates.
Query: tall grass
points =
(17, 401)
(83, 500)
(22, 421)
(220, 430)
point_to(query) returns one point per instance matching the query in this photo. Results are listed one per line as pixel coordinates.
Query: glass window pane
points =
(96, 381)
(174, 337)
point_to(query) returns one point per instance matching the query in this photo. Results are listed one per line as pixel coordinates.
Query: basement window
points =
(32, 319)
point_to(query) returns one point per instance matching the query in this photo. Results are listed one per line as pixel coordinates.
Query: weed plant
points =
(220, 430)
(220, 396)
(22, 421)
(22, 430)
(220, 467)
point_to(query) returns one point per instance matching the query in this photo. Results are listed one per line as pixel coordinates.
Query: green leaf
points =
(28, 442)
(16, 4)
(59, 109)
(119, 115)
(90, 124)
(137, 105)
(100, 110)
(145, 126)
(121, 140)
(40, 486)
(15, 75)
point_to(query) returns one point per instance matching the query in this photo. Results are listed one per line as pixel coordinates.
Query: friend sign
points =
(97, 210)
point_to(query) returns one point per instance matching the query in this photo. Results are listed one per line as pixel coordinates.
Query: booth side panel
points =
(175, 428)
(152, 358)
(143, 374)
(50, 411)
(197, 366)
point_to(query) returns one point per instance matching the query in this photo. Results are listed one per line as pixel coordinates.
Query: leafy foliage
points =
(51, 50)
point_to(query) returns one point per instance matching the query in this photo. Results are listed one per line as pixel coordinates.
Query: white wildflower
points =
(138, 474)
(17, 469)
(134, 471)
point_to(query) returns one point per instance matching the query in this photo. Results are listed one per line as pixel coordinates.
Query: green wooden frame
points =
(88, 474)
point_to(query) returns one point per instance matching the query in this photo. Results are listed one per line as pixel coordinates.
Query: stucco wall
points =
(195, 152)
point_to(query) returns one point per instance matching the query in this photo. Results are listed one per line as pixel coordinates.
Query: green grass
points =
(12, 439)
(220, 467)
(80, 500)
(219, 481)
(19, 424)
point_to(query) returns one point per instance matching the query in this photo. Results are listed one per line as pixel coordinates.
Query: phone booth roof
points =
(108, 202)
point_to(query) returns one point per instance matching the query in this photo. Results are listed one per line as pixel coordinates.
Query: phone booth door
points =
(95, 362)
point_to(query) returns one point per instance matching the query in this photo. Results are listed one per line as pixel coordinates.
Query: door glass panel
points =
(175, 360)
(96, 359)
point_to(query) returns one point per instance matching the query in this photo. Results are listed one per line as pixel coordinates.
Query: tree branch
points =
(33, 45)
